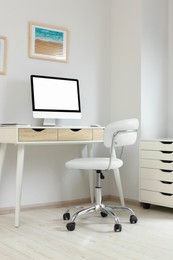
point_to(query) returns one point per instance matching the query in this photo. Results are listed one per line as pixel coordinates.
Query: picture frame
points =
(3, 47)
(48, 42)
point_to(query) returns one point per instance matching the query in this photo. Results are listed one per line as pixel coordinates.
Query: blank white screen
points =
(55, 94)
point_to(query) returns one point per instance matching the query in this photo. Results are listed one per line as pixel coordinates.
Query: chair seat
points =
(94, 163)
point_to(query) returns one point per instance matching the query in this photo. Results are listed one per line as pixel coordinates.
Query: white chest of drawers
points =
(156, 172)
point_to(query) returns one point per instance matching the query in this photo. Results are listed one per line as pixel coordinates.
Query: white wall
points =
(45, 177)
(125, 59)
(111, 46)
(154, 69)
(139, 79)
(126, 81)
(170, 69)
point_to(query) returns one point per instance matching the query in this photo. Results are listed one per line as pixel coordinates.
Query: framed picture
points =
(3, 43)
(48, 42)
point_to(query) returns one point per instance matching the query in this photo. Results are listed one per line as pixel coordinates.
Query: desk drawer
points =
(75, 134)
(156, 174)
(98, 134)
(157, 164)
(163, 145)
(160, 155)
(157, 185)
(157, 198)
(37, 134)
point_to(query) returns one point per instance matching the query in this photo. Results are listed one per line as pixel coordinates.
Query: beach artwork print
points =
(2, 55)
(47, 42)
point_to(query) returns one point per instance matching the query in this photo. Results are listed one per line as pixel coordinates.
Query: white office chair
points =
(120, 133)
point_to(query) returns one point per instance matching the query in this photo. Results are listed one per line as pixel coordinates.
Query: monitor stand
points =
(49, 122)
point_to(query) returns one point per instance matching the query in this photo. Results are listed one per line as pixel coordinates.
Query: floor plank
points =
(43, 235)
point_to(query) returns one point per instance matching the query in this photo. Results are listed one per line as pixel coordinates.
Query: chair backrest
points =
(121, 133)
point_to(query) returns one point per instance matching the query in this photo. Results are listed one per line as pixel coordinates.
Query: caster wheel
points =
(117, 227)
(146, 205)
(133, 219)
(71, 226)
(66, 216)
(103, 214)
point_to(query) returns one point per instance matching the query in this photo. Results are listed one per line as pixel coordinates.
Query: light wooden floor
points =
(43, 235)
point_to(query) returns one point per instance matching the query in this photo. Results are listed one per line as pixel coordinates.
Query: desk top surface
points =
(48, 127)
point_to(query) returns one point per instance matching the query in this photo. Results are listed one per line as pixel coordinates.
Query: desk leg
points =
(91, 173)
(2, 156)
(19, 176)
(119, 186)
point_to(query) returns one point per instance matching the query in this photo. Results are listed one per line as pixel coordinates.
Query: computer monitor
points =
(55, 98)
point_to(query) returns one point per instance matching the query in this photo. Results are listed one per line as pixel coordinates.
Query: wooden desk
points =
(27, 135)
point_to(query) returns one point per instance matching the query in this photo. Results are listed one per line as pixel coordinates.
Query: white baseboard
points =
(68, 203)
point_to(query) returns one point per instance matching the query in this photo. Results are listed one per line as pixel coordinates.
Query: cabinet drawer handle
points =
(75, 129)
(38, 129)
(168, 152)
(166, 161)
(166, 194)
(165, 170)
(166, 182)
(166, 142)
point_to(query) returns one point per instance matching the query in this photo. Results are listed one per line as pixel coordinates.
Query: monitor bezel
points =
(54, 111)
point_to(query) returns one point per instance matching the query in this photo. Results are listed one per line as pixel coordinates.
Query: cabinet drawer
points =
(156, 185)
(157, 164)
(160, 155)
(98, 134)
(36, 134)
(164, 145)
(75, 134)
(156, 174)
(156, 198)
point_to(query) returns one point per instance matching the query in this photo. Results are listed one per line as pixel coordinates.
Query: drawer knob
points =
(165, 170)
(166, 194)
(38, 129)
(166, 161)
(75, 129)
(168, 152)
(166, 182)
(166, 142)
